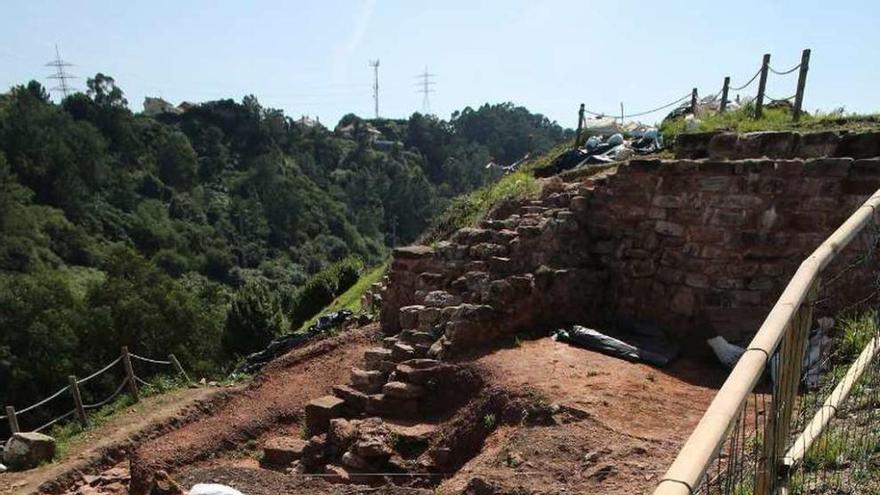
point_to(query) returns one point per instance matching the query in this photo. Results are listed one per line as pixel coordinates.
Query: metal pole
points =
(129, 375)
(621, 114)
(13, 420)
(77, 401)
(724, 91)
(802, 82)
(762, 85)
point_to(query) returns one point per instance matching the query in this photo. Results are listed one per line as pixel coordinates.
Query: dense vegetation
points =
(208, 232)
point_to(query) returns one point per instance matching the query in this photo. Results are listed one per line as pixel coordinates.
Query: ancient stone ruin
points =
(700, 245)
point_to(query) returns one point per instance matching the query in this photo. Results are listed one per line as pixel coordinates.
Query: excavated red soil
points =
(620, 427)
(615, 425)
(277, 396)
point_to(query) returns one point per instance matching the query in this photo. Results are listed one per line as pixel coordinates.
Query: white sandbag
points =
(213, 489)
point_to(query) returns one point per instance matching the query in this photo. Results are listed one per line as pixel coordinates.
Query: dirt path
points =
(91, 447)
(274, 400)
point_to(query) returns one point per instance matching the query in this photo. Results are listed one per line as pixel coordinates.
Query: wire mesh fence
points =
(800, 413)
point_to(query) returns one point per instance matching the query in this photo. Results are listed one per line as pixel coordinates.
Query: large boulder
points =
(28, 450)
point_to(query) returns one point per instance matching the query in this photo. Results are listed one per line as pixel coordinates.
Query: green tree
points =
(105, 92)
(254, 319)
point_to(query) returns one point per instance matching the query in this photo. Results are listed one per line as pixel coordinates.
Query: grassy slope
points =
(773, 119)
(351, 299)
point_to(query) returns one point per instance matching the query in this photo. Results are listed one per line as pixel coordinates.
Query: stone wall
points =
(698, 247)
(706, 247)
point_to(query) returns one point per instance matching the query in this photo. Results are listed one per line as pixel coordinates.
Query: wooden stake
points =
(13, 419)
(577, 138)
(129, 375)
(694, 102)
(762, 85)
(724, 91)
(77, 401)
(802, 82)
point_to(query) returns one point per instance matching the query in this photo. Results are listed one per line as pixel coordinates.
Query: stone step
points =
(388, 342)
(402, 352)
(415, 337)
(402, 390)
(367, 381)
(382, 405)
(355, 400)
(373, 357)
(417, 376)
(320, 411)
(282, 451)
(532, 210)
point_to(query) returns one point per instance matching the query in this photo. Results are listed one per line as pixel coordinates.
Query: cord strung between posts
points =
(784, 73)
(47, 399)
(102, 370)
(59, 418)
(775, 100)
(639, 114)
(137, 379)
(646, 112)
(148, 360)
(746, 85)
(108, 399)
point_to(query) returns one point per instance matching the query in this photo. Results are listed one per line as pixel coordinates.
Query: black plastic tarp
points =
(639, 344)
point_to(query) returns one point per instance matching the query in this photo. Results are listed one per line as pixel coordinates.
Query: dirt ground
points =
(619, 427)
(627, 424)
(273, 401)
(92, 446)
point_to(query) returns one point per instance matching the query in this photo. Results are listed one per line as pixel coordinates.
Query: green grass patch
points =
(65, 434)
(469, 209)
(773, 119)
(351, 298)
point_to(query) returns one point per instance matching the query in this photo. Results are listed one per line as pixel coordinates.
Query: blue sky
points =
(312, 57)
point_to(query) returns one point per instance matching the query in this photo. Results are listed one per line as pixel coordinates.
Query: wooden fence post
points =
(77, 401)
(802, 82)
(129, 374)
(13, 420)
(577, 138)
(694, 102)
(176, 363)
(762, 85)
(724, 91)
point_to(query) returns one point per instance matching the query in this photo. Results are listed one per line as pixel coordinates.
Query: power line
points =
(375, 65)
(425, 89)
(60, 74)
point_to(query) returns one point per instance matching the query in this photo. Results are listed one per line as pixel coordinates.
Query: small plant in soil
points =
(489, 420)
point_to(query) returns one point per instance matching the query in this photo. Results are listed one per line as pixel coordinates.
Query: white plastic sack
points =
(213, 489)
(2, 468)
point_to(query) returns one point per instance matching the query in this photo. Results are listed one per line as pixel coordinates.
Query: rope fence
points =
(760, 75)
(130, 382)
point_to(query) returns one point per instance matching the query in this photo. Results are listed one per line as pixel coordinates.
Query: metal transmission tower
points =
(375, 65)
(60, 75)
(425, 88)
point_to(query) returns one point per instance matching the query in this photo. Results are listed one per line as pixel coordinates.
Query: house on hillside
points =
(307, 122)
(349, 131)
(156, 106)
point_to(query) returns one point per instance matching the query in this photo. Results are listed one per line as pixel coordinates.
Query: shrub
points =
(253, 320)
(322, 288)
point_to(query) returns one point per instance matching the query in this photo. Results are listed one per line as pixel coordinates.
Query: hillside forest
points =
(207, 232)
